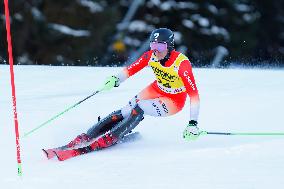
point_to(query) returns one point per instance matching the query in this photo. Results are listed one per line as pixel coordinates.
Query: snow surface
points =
(235, 100)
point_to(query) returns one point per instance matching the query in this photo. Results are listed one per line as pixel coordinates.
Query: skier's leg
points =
(150, 101)
(112, 119)
(105, 124)
(98, 129)
(120, 130)
(158, 107)
(162, 106)
(127, 125)
(155, 103)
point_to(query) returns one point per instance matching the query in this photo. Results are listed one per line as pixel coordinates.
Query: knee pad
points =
(125, 126)
(137, 111)
(105, 124)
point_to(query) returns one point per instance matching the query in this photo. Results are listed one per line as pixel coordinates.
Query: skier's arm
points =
(185, 72)
(139, 64)
(135, 67)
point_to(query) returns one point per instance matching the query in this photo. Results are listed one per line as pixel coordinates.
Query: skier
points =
(164, 97)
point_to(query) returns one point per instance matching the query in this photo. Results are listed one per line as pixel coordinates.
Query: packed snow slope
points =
(233, 100)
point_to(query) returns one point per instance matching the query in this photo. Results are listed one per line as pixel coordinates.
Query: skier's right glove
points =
(111, 82)
(191, 132)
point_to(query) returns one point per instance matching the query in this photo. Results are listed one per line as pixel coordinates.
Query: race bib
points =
(168, 76)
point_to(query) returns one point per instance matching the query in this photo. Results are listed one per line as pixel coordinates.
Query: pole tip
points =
(20, 173)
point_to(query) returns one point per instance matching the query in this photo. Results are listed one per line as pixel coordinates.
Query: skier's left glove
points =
(191, 132)
(111, 82)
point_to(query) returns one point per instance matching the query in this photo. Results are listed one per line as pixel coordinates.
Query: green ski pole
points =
(61, 113)
(243, 133)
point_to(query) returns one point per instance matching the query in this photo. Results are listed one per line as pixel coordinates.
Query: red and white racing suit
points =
(167, 94)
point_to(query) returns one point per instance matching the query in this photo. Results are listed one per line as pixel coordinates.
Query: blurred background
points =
(218, 33)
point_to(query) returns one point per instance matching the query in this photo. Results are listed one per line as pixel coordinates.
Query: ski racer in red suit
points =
(164, 97)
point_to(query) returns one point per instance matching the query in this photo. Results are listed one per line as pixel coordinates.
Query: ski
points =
(76, 142)
(64, 154)
(50, 152)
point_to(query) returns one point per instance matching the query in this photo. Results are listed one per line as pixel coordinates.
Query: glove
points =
(111, 82)
(191, 132)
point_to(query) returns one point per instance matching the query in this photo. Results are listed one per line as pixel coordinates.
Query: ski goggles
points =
(159, 46)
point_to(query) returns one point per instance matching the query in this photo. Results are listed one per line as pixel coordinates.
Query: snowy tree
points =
(99, 32)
